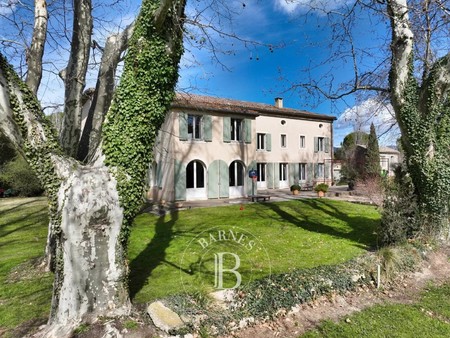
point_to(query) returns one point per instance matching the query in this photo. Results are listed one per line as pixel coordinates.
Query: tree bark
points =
(36, 50)
(75, 76)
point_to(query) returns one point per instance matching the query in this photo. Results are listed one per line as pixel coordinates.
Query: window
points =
(236, 174)
(195, 175)
(194, 127)
(283, 141)
(236, 129)
(261, 168)
(283, 171)
(320, 144)
(320, 170)
(261, 141)
(302, 141)
(302, 171)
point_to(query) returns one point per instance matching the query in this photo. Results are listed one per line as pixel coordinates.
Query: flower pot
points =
(320, 194)
(295, 192)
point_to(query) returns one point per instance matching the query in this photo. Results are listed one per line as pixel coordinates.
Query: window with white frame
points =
(195, 175)
(283, 171)
(261, 169)
(194, 127)
(302, 141)
(261, 141)
(302, 171)
(283, 141)
(236, 174)
(236, 129)
(321, 144)
(320, 170)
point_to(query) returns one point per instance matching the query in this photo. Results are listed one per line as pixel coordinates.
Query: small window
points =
(261, 168)
(261, 141)
(302, 141)
(320, 169)
(320, 144)
(283, 141)
(302, 171)
(283, 171)
(194, 127)
(236, 129)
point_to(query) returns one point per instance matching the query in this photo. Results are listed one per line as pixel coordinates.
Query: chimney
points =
(279, 102)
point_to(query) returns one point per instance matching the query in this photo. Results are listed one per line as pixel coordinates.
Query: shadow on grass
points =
(362, 228)
(153, 255)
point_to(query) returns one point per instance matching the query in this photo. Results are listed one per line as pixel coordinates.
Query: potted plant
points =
(295, 188)
(321, 189)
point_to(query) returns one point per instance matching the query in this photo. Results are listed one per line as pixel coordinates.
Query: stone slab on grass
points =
(163, 317)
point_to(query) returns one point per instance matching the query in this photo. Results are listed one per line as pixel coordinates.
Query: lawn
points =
(429, 317)
(294, 234)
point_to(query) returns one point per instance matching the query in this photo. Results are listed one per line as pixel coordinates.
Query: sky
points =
(277, 45)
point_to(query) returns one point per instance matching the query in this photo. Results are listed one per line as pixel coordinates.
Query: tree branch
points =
(75, 76)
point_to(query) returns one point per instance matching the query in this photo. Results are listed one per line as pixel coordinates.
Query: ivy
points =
(141, 100)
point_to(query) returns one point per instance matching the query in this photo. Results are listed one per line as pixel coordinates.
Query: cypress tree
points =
(372, 165)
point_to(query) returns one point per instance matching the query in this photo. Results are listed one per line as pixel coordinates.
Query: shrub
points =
(400, 216)
(296, 187)
(321, 187)
(18, 175)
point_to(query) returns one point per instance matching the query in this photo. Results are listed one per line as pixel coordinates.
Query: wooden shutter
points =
(327, 144)
(268, 142)
(183, 126)
(248, 131)
(207, 128)
(316, 144)
(227, 129)
(179, 180)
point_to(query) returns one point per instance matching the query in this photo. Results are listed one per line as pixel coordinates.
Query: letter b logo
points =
(219, 270)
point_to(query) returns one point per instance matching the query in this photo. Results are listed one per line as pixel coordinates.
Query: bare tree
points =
(92, 204)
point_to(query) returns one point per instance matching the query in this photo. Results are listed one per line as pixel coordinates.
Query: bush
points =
(18, 176)
(321, 187)
(400, 214)
(296, 187)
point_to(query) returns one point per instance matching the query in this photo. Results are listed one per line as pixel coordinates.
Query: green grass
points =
(294, 234)
(430, 317)
(24, 294)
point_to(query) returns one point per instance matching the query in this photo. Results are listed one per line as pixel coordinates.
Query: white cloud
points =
(318, 6)
(7, 7)
(370, 111)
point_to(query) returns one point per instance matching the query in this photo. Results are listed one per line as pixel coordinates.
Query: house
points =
(207, 147)
(390, 159)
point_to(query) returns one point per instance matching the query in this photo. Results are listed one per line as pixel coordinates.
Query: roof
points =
(209, 103)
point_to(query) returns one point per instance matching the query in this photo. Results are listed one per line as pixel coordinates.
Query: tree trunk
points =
(423, 114)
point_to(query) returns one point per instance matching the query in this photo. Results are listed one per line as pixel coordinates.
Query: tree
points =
(353, 164)
(414, 75)
(92, 203)
(372, 158)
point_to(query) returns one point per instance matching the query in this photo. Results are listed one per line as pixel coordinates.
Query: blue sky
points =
(247, 68)
(257, 73)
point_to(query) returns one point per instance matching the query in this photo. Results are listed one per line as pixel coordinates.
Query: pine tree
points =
(372, 165)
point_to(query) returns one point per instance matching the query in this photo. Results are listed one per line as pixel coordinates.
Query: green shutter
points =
(179, 181)
(226, 129)
(291, 169)
(248, 131)
(327, 169)
(249, 182)
(183, 126)
(309, 173)
(276, 175)
(327, 144)
(159, 175)
(316, 144)
(269, 175)
(207, 128)
(268, 142)
(316, 170)
(218, 180)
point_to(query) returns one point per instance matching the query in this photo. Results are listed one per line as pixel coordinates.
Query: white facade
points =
(207, 146)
